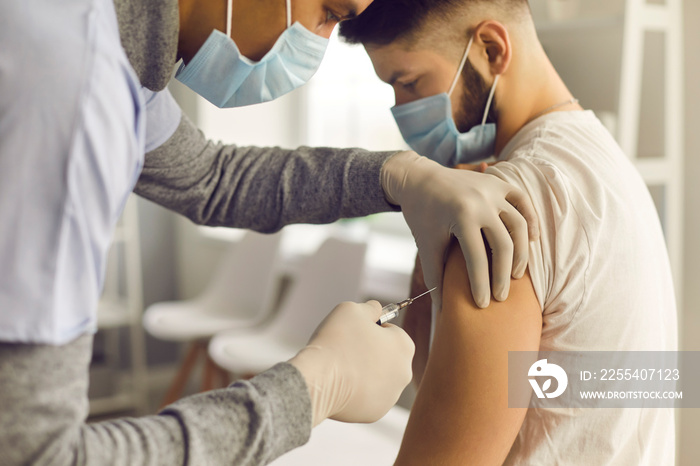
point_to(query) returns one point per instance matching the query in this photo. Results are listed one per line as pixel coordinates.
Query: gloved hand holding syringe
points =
(391, 311)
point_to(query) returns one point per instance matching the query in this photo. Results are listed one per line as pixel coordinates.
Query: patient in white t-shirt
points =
(598, 277)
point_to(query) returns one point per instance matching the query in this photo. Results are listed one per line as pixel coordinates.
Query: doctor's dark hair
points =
(385, 21)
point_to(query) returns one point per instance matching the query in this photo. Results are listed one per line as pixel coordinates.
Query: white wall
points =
(690, 333)
(343, 105)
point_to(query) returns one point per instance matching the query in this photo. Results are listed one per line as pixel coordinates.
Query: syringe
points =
(391, 311)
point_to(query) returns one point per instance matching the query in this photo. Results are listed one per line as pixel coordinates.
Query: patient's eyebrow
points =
(348, 7)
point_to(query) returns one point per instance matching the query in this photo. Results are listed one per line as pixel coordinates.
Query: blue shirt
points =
(74, 126)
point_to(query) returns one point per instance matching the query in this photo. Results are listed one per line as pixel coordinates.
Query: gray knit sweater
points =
(44, 388)
(44, 398)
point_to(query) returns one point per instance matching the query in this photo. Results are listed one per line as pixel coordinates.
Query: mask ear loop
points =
(490, 99)
(461, 66)
(289, 13)
(229, 7)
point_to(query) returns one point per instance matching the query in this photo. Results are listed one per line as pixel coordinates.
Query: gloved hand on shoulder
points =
(440, 202)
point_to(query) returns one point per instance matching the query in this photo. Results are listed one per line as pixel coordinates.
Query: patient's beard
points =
(475, 93)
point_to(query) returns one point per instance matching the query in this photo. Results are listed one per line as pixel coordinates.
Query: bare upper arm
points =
(461, 413)
(417, 321)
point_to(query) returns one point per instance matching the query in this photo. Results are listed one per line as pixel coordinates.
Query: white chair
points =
(344, 444)
(239, 295)
(332, 275)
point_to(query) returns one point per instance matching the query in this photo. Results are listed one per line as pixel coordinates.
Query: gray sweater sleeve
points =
(262, 189)
(43, 402)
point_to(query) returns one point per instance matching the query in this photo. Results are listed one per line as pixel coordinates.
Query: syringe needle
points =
(421, 295)
(390, 311)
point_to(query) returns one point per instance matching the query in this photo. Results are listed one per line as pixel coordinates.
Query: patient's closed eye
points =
(332, 17)
(409, 86)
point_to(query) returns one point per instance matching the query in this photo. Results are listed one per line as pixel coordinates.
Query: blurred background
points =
(634, 62)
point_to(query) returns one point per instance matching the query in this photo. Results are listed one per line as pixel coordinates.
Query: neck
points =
(198, 18)
(530, 89)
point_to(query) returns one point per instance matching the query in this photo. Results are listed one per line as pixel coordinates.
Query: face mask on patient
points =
(428, 128)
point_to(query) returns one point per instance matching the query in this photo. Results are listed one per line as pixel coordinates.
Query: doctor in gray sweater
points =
(85, 118)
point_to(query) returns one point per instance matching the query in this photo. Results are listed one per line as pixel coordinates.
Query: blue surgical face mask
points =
(428, 128)
(222, 75)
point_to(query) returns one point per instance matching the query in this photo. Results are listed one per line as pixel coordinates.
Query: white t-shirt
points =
(601, 274)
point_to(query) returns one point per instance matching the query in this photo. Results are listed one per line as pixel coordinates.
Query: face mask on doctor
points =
(428, 128)
(222, 75)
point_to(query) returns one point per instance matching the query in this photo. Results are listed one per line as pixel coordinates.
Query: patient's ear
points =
(495, 43)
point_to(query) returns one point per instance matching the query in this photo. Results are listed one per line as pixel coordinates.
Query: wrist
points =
(394, 172)
(318, 370)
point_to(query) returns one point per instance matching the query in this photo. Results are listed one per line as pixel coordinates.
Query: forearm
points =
(262, 189)
(43, 393)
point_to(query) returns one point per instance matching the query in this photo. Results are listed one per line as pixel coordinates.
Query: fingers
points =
(522, 203)
(406, 342)
(517, 228)
(480, 168)
(474, 251)
(501, 259)
(375, 309)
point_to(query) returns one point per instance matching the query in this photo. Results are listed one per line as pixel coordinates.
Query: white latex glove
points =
(354, 368)
(440, 202)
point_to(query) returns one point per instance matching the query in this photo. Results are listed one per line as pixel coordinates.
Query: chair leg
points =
(214, 376)
(224, 377)
(209, 374)
(180, 381)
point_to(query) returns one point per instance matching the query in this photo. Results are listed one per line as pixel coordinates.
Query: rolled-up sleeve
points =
(162, 117)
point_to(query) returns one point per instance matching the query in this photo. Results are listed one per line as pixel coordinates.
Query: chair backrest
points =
(244, 283)
(332, 275)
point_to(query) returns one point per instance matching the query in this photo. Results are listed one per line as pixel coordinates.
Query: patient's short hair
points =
(385, 21)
